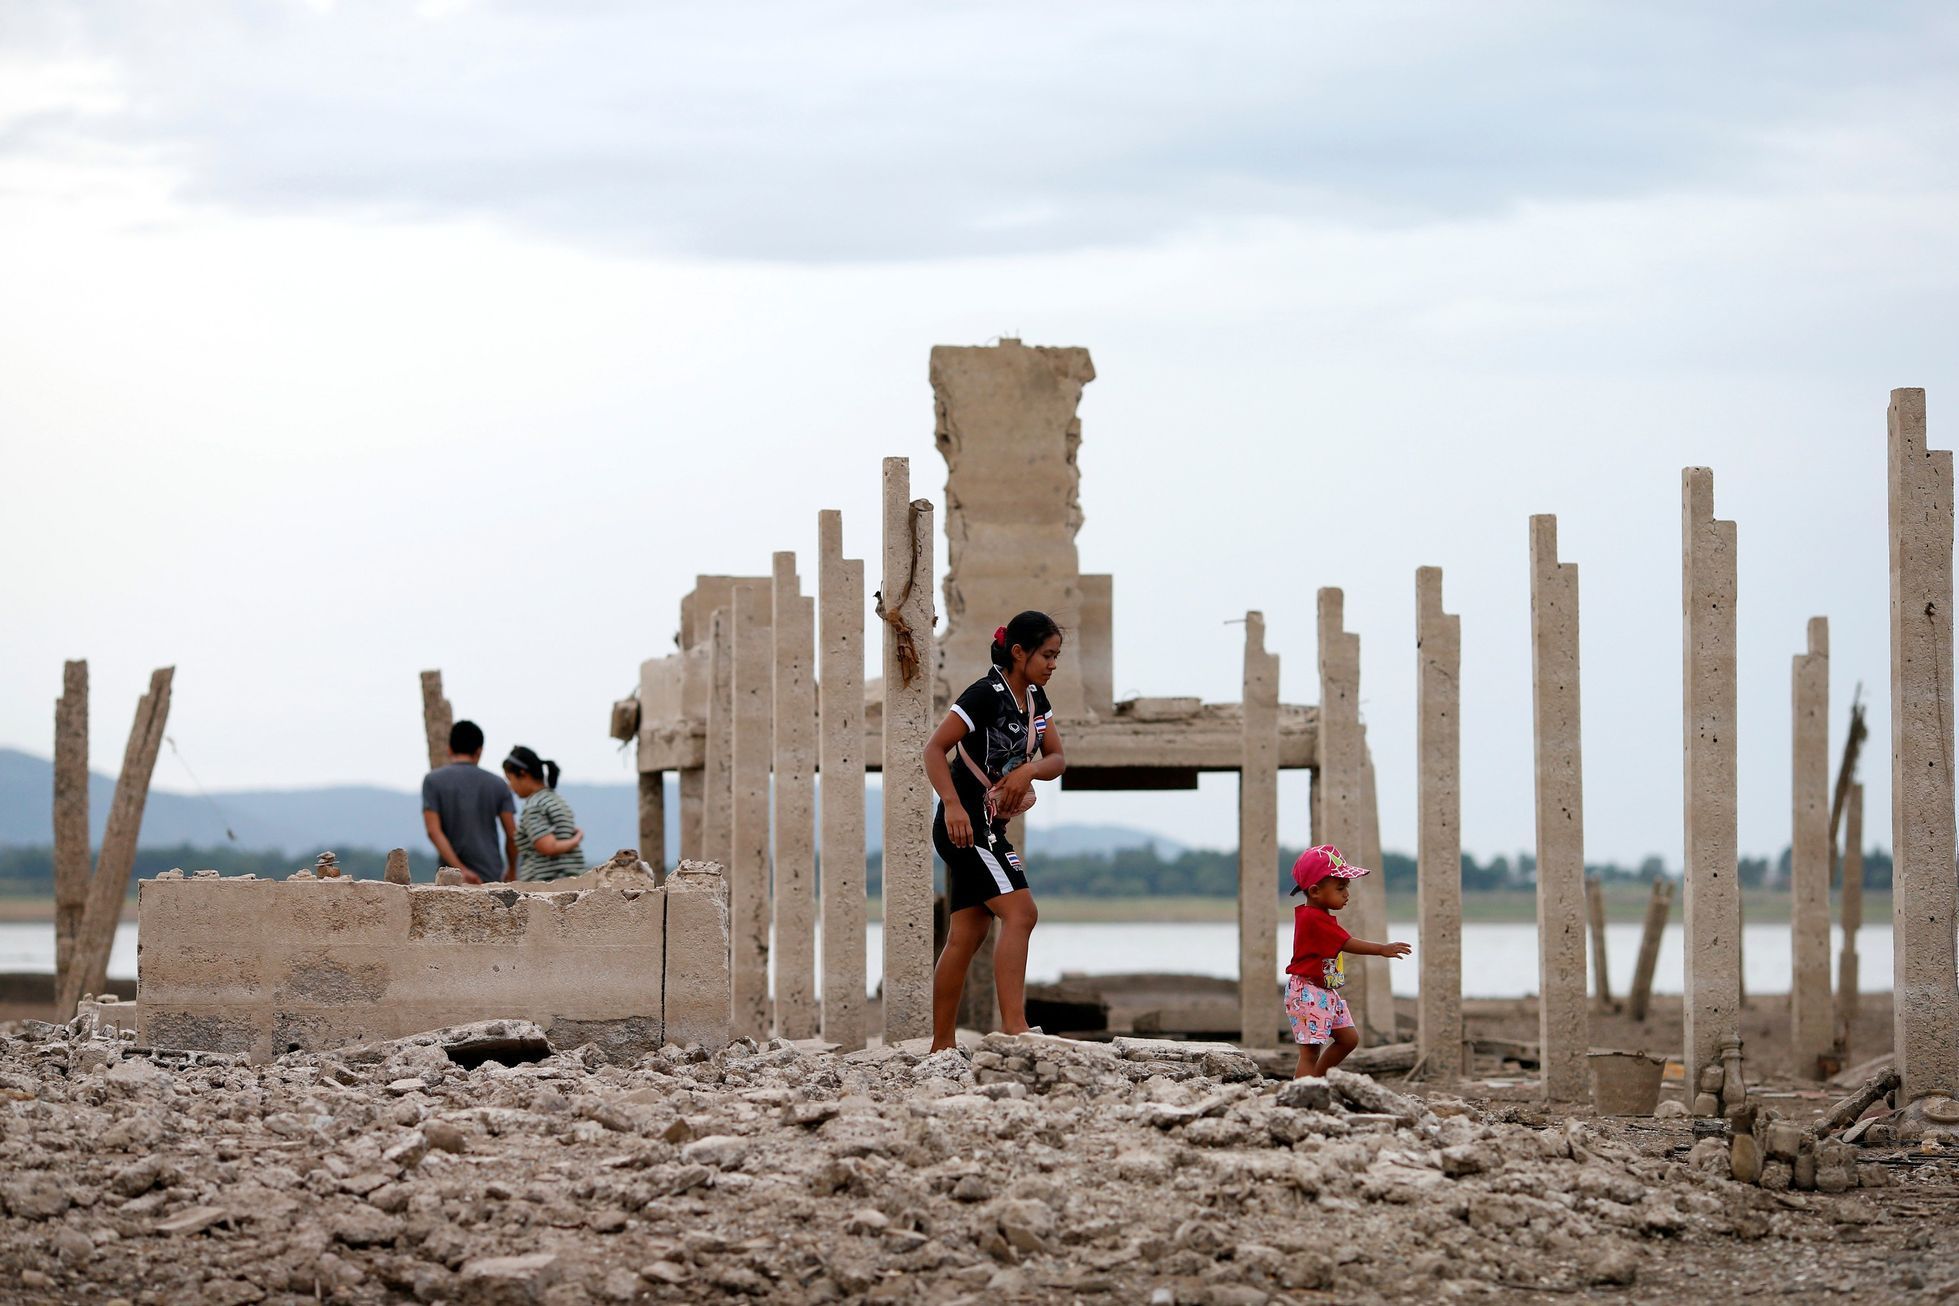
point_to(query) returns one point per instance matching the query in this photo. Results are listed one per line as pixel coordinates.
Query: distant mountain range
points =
(301, 822)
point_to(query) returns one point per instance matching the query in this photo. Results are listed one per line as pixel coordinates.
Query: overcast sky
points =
(340, 340)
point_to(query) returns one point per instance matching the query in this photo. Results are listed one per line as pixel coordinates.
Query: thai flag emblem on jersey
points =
(1041, 724)
(1013, 860)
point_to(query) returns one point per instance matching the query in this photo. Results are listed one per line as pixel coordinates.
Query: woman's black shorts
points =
(980, 873)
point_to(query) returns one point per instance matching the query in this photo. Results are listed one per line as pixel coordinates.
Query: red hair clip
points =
(999, 634)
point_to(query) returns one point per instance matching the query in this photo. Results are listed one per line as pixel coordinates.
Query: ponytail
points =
(525, 761)
(1027, 631)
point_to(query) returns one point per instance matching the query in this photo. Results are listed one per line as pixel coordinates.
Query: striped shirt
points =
(546, 813)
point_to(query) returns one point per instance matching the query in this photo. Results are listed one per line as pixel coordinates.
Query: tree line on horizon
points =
(1141, 872)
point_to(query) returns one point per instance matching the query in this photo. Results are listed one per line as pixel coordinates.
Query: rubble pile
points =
(481, 1164)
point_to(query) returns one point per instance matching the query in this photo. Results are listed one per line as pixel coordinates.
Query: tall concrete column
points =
(653, 820)
(840, 604)
(438, 718)
(1438, 848)
(696, 687)
(1376, 978)
(1853, 904)
(1712, 941)
(718, 772)
(905, 604)
(1340, 784)
(1595, 918)
(748, 866)
(1563, 1020)
(1812, 1022)
(1924, 995)
(1259, 1007)
(794, 623)
(71, 850)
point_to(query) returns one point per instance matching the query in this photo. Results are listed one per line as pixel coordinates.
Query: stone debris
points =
(397, 871)
(327, 867)
(487, 1164)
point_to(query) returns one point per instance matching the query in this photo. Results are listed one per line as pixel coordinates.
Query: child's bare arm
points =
(1361, 947)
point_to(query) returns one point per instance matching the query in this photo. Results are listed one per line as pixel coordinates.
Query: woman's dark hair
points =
(523, 761)
(1028, 629)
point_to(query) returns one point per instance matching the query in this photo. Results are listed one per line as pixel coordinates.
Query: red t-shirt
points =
(1316, 940)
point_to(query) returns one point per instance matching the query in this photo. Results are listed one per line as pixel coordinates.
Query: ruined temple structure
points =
(1007, 427)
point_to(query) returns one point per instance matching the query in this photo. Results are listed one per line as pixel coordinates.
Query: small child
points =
(1321, 1024)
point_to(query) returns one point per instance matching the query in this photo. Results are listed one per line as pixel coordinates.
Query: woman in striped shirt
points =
(547, 834)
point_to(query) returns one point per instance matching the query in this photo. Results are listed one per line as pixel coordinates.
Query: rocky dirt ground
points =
(483, 1166)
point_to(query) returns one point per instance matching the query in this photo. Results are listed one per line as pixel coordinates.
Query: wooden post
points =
(840, 708)
(110, 883)
(1657, 909)
(71, 844)
(1595, 912)
(438, 718)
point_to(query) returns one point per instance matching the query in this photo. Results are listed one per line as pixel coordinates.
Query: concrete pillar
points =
(653, 820)
(794, 623)
(110, 883)
(1812, 1022)
(1259, 1008)
(905, 605)
(717, 773)
(1853, 906)
(840, 603)
(1924, 994)
(1096, 644)
(1712, 942)
(71, 843)
(748, 864)
(1376, 978)
(979, 1001)
(1658, 907)
(1438, 848)
(696, 687)
(1563, 1021)
(1595, 918)
(698, 988)
(1340, 784)
(438, 718)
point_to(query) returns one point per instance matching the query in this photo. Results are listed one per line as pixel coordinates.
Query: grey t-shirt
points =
(469, 801)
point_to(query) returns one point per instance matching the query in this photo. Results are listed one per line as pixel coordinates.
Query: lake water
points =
(1498, 961)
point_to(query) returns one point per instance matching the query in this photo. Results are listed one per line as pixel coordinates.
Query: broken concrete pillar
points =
(1094, 644)
(905, 607)
(1563, 1020)
(717, 770)
(794, 622)
(1259, 1007)
(1711, 945)
(699, 989)
(1852, 909)
(1341, 781)
(1375, 976)
(438, 718)
(1438, 848)
(1013, 505)
(1658, 907)
(1924, 993)
(1812, 1021)
(71, 842)
(840, 601)
(397, 868)
(653, 818)
(748, 868)
(110, 883)
(1595, 919)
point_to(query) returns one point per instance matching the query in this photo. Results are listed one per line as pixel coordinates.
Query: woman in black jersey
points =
(983, 759)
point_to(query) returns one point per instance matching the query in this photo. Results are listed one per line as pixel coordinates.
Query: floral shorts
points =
(1314, 1012)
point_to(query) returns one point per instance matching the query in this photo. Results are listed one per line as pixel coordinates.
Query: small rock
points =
(666, 1272)
(365, 1228)
(1670, 1110)
(1306, 1095)
(867, 1220)
(620, 1285)
(510, 1279)
(73, 1246)
(722, 1151)
(444, 1137)
(449, 875)
(397, 872)
(1614, 1264)
(1025, 1223)
(195, 1219)
(33, 1197)
(971, 1188)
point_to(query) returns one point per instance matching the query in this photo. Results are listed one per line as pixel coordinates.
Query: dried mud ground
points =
(1031, 1169)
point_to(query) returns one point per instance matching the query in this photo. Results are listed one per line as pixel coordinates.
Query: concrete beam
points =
(1712, 942)
(1438, 858)
(1563, 1020)
(1812, 1020)
(840, 603)
(1924, 890)
(1259, 1007)
(905, 604)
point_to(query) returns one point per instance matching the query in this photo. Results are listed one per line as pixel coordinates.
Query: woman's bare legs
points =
(963, 939)
(1017, 918)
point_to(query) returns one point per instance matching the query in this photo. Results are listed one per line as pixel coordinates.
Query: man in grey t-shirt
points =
(462, 805)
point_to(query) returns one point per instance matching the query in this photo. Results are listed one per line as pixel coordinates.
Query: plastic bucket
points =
(1625, 1083)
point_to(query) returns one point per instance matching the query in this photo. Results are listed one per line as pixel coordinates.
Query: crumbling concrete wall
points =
(268, 966)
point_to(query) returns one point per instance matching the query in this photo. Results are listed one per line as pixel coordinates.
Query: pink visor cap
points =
(1316, 864)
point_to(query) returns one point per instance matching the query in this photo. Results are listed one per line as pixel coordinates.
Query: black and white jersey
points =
(998, 729)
